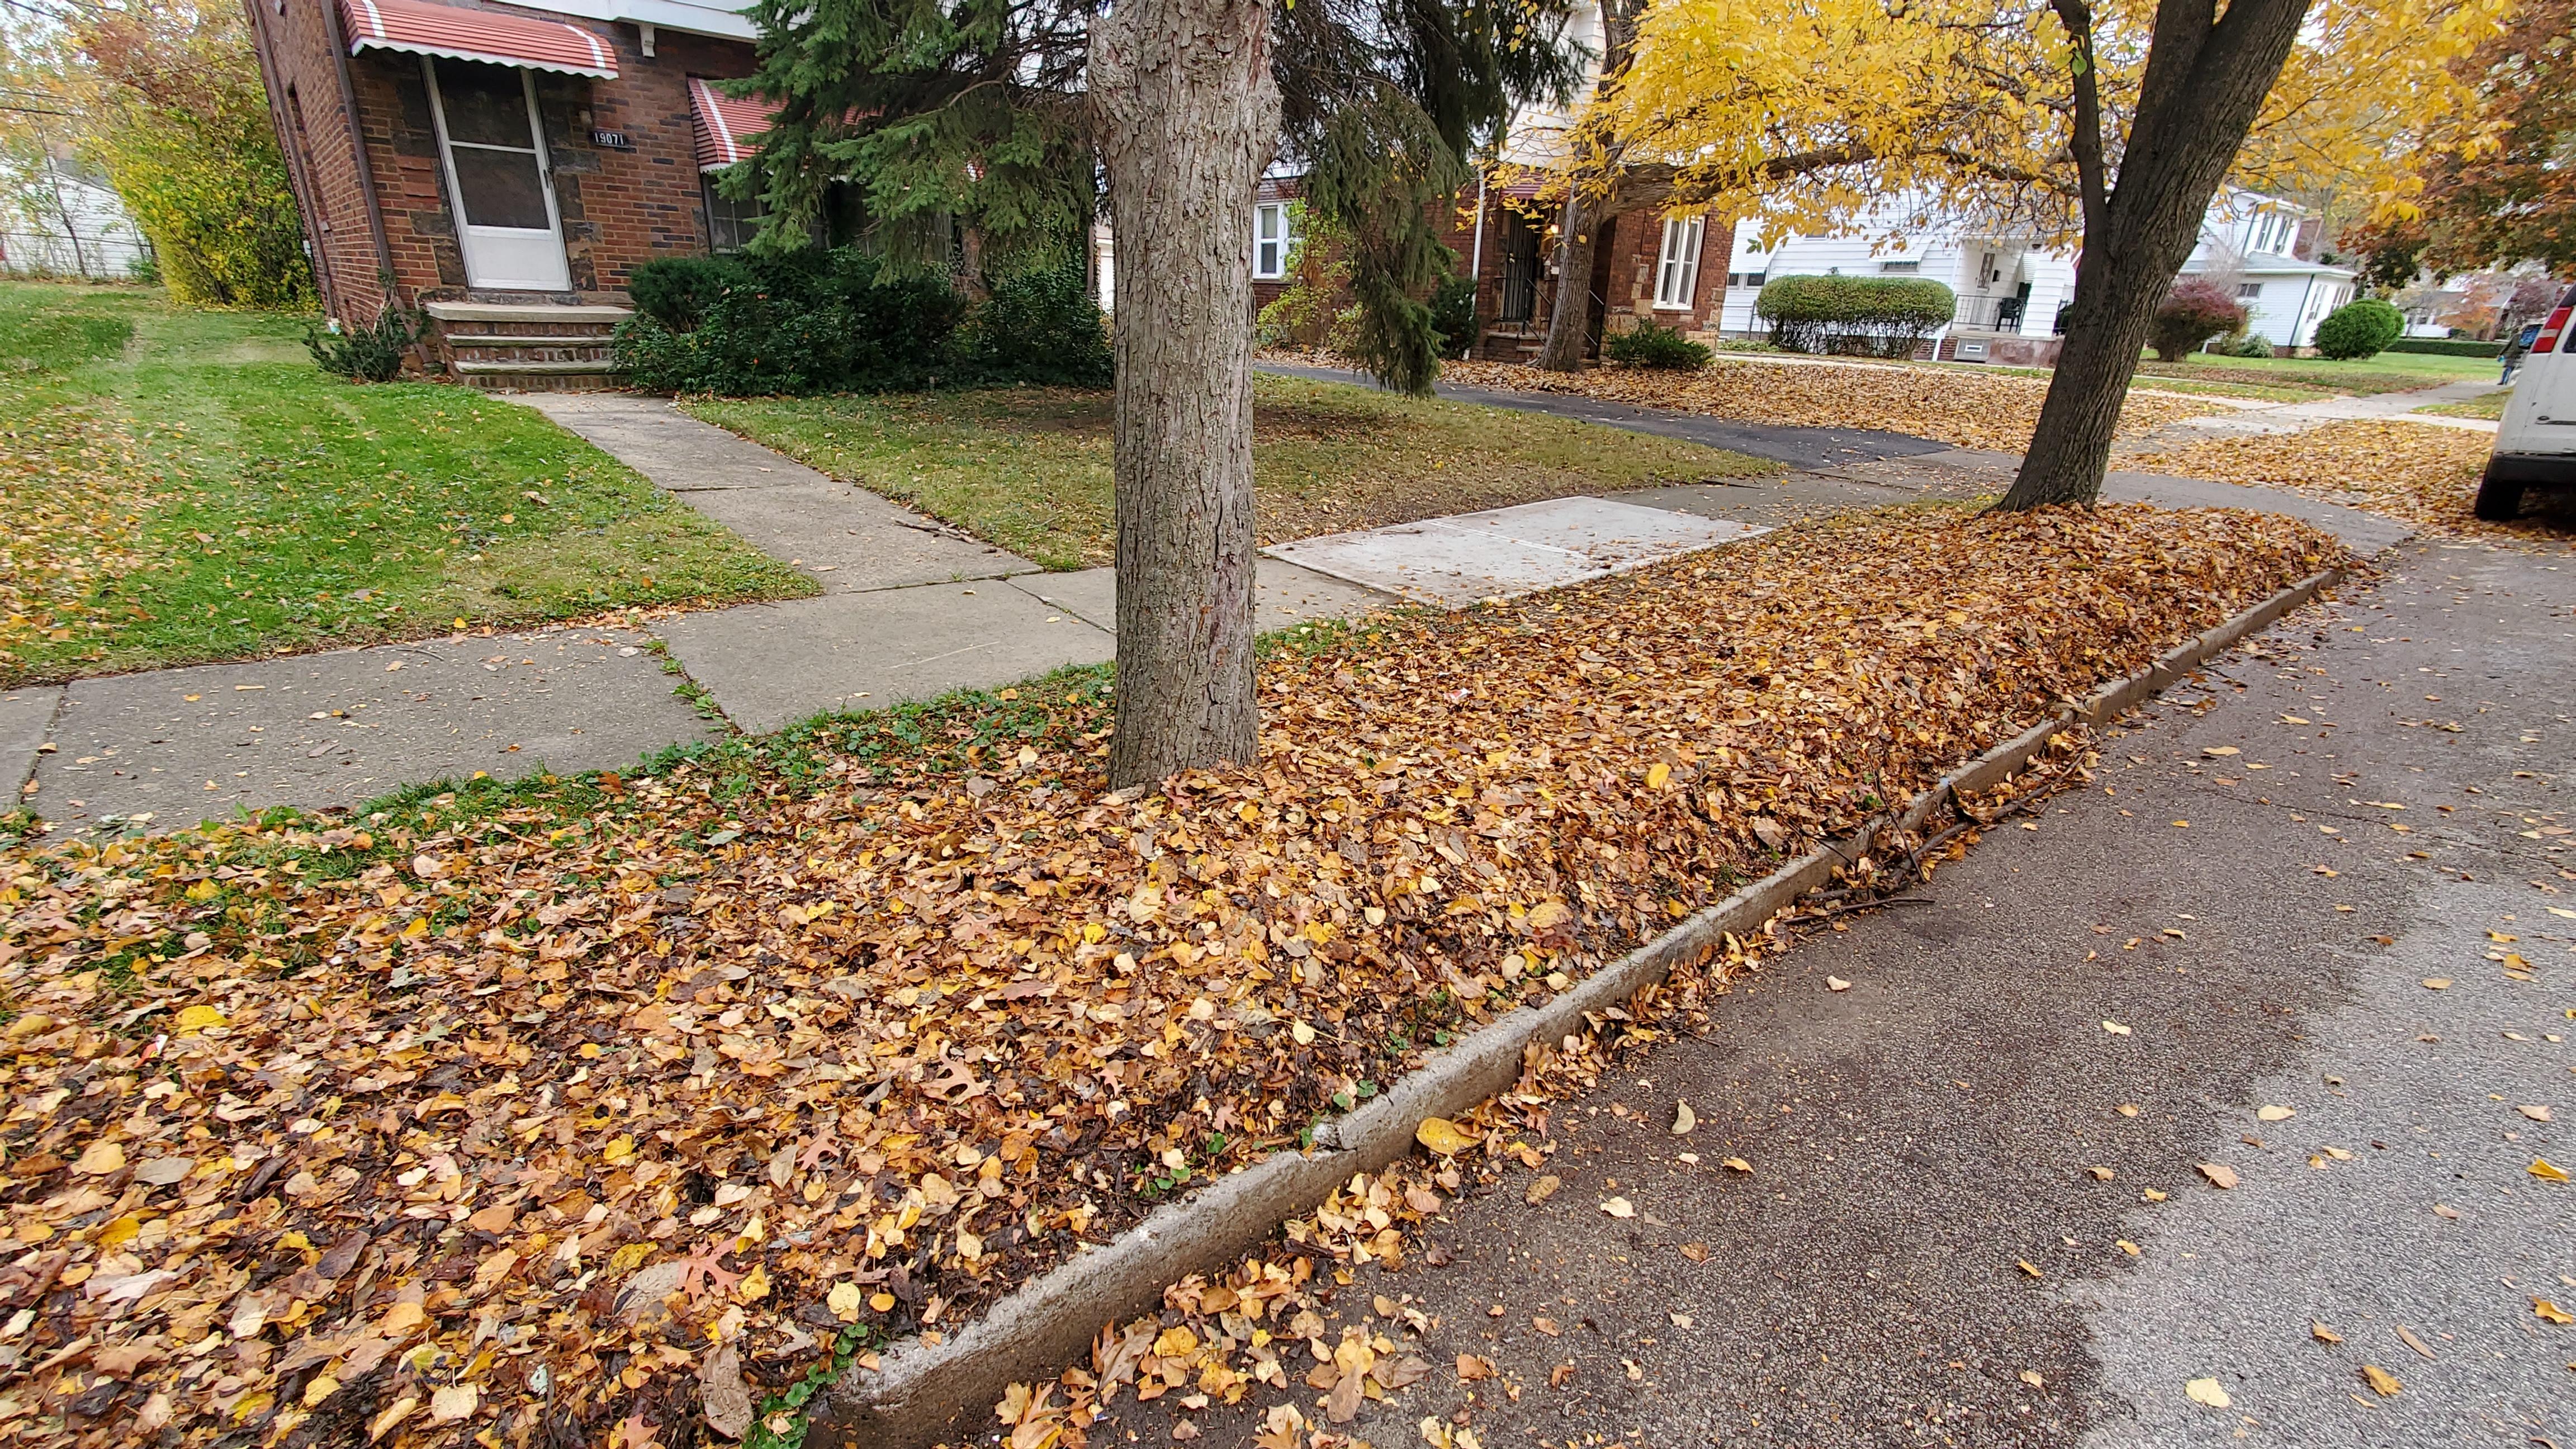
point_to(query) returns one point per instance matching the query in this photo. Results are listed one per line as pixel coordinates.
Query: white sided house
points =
(2013, 292)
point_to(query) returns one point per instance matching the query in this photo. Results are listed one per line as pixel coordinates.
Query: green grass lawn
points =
(1029, 469)
(2490, 407)
(185, 486)
(2387, 372)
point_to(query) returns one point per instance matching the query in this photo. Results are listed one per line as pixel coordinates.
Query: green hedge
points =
(845, 320)
(2446, 346)
(2359, 329)
(1877, 316)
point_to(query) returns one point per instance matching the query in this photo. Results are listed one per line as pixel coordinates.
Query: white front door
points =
(506, 222)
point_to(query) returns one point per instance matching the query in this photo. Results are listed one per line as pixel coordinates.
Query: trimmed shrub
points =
(2358, 329)
(2196, 310)
(1867, 316)
(678, 291)
(1453, 315)
(842, 320)
(2243, 344)
(1651, 345)
(2446, 346)
(1043, 326)
(367, 354)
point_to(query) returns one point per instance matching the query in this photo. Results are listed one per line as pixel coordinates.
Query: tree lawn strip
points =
(1950, 405)
(2489, 407)
(2418, 473)
(587, 1076)
(1029, 468)
(203, 492)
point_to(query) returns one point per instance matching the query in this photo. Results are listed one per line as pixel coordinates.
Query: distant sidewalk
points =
(911, 609)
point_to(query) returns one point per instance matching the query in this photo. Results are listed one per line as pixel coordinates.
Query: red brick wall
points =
(621, 207)
(297, 43)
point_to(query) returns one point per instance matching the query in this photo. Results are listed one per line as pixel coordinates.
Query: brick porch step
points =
(528, 346)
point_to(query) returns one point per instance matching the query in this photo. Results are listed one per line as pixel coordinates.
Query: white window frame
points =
(1271, 239)
(1677, 273)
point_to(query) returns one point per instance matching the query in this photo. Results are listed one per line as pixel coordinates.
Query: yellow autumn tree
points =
(2108, 126)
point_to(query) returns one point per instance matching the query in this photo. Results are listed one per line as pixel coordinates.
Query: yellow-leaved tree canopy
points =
(2105, 126)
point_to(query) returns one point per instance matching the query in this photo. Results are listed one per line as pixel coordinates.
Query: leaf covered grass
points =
(1965, 409)
(2490, 407)
(2387, 372)
(2418, 473)
(491, 1115)
(1029, 468)
(186, 486)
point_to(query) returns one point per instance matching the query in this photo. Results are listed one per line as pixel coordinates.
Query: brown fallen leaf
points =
(1557, 1376)
(2445, 1210)
(722, 1395)
(1619, 1207)
(2381, 1381)
(2274, 1114)
(2535, 1113)
(2101, 1174)
(2220, 1175)
(1541, 1189)
(1738, 1164)
(1343, 1404)
(2032, 1378)
(1683, 1121)
(2323, 1334)
(1546, 1326)
(2437, 983)
(1472, 1367)
(2407, 1336)
(2027, 1266)
(2207, 1391)
(1696, 1252)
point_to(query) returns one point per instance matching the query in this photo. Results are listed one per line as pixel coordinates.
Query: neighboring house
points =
(2012, 292)
(509, 167)
(65, 221)
(2252, 243)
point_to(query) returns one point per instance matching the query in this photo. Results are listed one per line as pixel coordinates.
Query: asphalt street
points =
(2312, 924)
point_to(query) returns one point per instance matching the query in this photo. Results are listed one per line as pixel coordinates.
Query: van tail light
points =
(2556, 326)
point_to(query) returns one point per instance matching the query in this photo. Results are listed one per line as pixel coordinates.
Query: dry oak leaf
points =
(2220, 1175)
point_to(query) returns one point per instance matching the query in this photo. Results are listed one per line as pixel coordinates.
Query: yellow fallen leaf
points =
(318, 1388)
(2323, 1334)
(2437, 983)
(197, 1018)
(1657, 774)
(844, 1301)
(2027, 1266)
(400, 1319)
(2207, 1391)
(2381, 1381)
(882, 1302)
(2549, 1312)
(2274, 1114)
(1739, 1164)
(1444, 1137)
(620, 1150)
(400, 1410)
(1176, 1342)
(2220, 752)
(2115, 1029)
(2546, 1170)
(100, 1159)
(2534, 1112)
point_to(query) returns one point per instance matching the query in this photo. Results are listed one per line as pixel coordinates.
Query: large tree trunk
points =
(2206, 78)
(1188, 117)
(1569, 315)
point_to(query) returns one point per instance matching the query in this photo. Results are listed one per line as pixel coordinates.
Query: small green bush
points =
(1042, 326)
(678, 291)
(2196, 310)
(842, 320)
(2243, 344)
(2446, 346)
(1650, 345)
(367, 354)
(2358, 329)
(1453, 315)
(1872, 316)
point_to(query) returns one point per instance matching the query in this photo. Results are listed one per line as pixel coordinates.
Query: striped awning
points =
(724, 124)
(418, 27)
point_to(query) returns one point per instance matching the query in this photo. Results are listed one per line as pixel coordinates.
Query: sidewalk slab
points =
(187, 744)
(847, 537)
(770, 665)
(1455, 562)
(25, 717)
(1284, 596)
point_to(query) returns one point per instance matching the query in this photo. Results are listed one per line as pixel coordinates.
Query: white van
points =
(2535, 445)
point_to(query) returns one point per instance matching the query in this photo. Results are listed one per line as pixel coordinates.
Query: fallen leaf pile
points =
(424, 1127)
(1966, 409)
(2426, 476)
(73, 492)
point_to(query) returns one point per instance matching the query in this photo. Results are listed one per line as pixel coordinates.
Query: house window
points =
(2248, 291)
(1909, 266)
(1677, 279)
(1748, 279)
(1270, 241)
(731, 224)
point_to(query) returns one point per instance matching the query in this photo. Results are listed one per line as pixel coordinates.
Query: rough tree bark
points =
(1594, 198)
(1188, 116)
(2206, 78)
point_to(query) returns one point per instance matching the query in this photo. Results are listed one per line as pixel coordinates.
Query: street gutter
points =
(923, 1393)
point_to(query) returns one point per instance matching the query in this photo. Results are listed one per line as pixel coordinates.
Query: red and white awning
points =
(725, 124)
(418, 27)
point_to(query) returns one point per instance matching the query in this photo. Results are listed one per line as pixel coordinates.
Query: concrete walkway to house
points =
(910, 609)
(2276, 418)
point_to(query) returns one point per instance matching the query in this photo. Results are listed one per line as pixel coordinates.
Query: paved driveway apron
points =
(1917, 1138)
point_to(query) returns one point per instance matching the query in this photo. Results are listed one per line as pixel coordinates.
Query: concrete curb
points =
(923, 1393)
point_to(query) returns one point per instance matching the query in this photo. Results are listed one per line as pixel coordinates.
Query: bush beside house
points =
(2359, 329)
(846, 320)
(1653, 346)
(2196, 310)
(1867, 316)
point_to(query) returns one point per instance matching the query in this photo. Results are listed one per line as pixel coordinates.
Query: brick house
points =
(1647, 267)
(509, 167)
